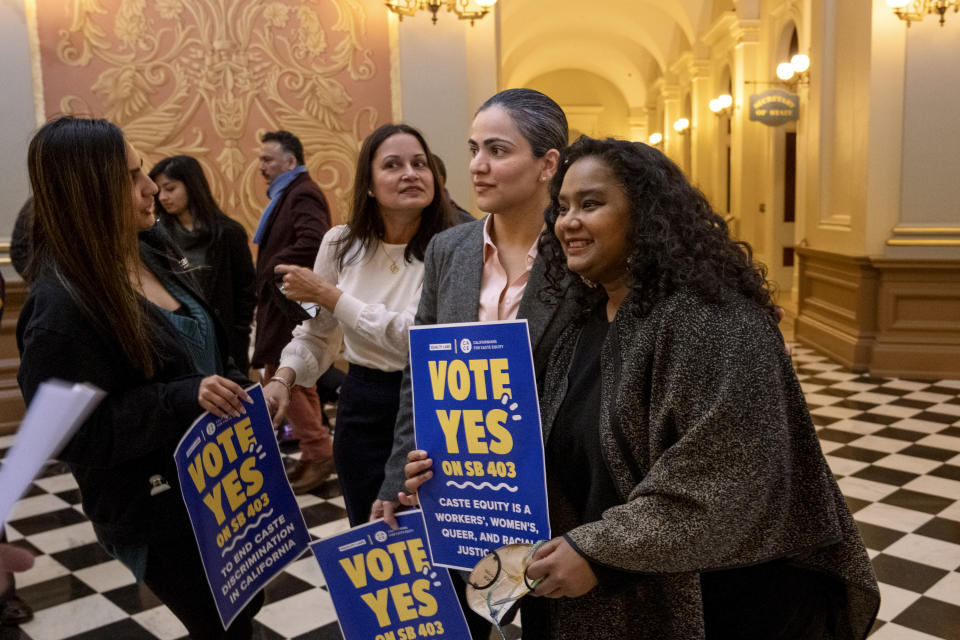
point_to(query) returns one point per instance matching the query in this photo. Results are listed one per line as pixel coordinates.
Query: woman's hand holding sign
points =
(565, 573)
(419, 469)
(222, 397)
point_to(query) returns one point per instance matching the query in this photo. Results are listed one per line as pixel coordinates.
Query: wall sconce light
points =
(464, 9)
(914, 10)
(681, 126)
(794, 72)
(722, 105)
(655, 139)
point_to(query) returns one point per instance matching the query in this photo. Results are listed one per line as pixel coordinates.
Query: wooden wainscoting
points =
(836, 311)
(893, 318)
(918, 319)
(11, 402)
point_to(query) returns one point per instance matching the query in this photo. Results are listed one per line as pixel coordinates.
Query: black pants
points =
(366, 415)
(175, 575)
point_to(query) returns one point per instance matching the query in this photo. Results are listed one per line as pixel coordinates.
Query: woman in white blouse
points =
(366, 287)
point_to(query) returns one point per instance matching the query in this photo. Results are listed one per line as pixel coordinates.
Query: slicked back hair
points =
(540, 120)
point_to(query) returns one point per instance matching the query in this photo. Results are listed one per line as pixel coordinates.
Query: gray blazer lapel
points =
(537, 313)
(466, 266)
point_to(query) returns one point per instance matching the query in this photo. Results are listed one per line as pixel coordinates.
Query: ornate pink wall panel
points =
(207, 77)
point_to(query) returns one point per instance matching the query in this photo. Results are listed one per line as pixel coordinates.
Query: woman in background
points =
(366, 281)
(209, 239)
(110, 305)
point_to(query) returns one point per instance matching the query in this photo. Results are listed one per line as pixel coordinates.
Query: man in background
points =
(289, 232)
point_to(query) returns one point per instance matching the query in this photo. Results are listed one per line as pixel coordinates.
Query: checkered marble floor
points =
(894, 446)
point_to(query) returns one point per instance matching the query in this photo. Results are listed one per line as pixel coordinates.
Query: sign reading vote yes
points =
(244, 515)
(477, 416)
(384, 587)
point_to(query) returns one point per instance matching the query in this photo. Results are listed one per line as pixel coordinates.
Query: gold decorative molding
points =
(927, 230)
(950, 237)
(745, 31)
(207, 77)
(924, 242)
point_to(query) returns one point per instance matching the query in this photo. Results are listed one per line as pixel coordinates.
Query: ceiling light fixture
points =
(914, 10)
(464, 9)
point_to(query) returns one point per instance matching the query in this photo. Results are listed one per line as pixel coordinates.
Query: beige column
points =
(440, 93)
(746, 138)
(928, 221)
(19, 117)
(639, 127)
(672, 110)
(703, 127)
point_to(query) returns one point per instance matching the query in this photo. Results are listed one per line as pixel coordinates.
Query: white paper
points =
(58, 408)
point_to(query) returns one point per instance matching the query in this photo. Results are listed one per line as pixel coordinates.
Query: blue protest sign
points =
(383, 585)
(244, 515)
(476, 414)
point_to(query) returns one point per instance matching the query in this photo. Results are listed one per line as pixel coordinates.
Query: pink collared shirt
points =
(499, 299)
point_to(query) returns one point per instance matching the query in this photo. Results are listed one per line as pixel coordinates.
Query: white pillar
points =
(446, 71)
(17, 106)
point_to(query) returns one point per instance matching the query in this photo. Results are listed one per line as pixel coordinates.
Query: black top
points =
(195, 245)
(132, 433)
(574, 454)
(219, 260)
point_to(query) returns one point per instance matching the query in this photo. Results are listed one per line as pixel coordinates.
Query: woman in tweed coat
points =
(687, 486)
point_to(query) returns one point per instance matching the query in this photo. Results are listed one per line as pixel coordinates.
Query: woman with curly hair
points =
(687, 487)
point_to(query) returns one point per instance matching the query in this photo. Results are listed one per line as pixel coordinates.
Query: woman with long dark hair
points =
(213, 243)
(687, 487)
(366, 281)
(110, 305)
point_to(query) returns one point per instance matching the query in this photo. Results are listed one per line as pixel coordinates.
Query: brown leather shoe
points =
(293, 470)
(312, 474)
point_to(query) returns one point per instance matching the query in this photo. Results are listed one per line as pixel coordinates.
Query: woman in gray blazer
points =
(489, 269)
(515, 142)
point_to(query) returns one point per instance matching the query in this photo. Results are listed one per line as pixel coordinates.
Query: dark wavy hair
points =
(366, 225)
(676, 238)
(200, 200)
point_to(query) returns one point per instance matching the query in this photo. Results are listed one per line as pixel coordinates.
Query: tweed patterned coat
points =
(706, 434)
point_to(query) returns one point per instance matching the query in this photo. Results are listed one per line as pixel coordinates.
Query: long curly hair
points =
(676, 238)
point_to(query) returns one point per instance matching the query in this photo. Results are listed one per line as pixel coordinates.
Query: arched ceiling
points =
(630, 43)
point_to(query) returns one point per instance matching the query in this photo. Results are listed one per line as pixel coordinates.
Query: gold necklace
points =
(394, 268)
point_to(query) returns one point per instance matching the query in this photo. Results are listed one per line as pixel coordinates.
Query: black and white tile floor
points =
(894, 446)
